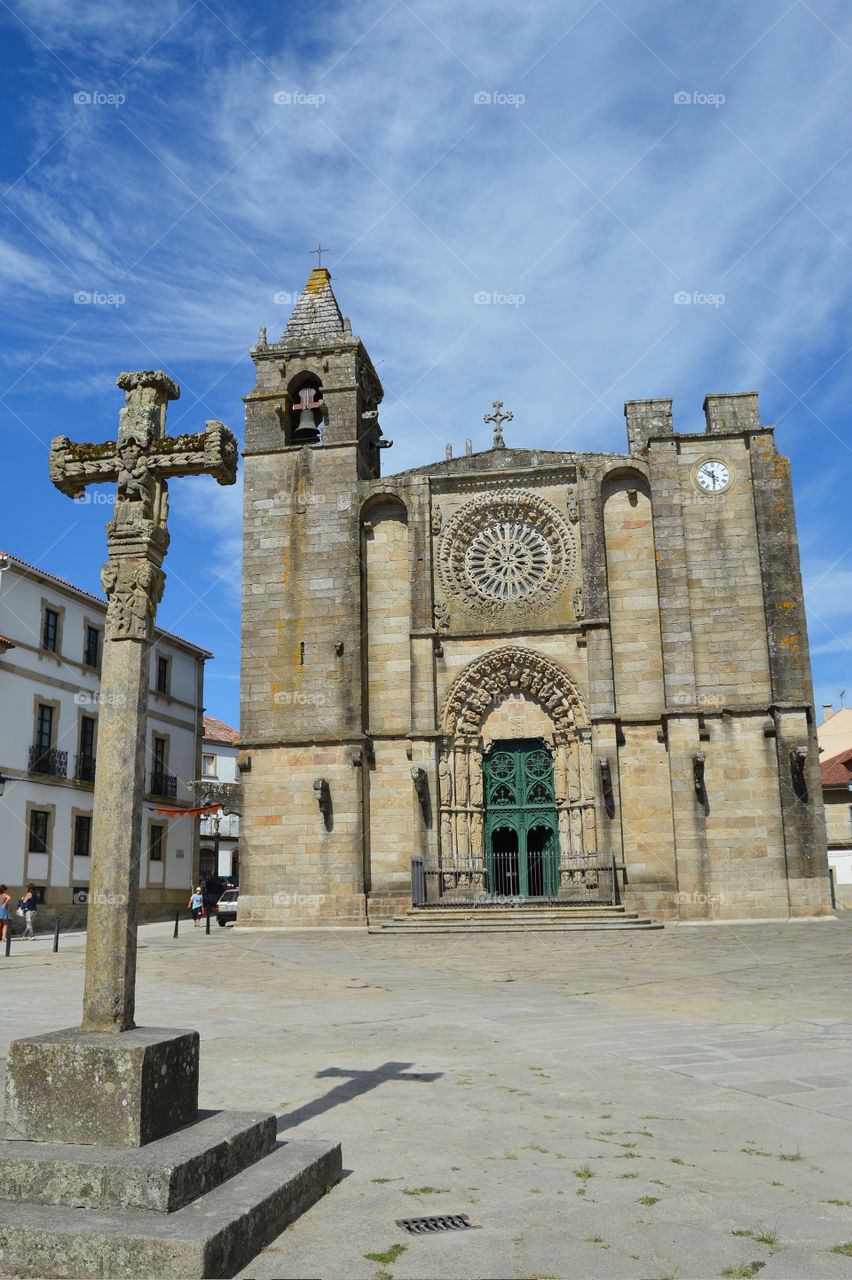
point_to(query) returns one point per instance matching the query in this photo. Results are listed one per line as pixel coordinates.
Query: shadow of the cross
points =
(355, 1083)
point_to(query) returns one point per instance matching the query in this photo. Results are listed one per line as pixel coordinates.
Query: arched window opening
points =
(306, 409)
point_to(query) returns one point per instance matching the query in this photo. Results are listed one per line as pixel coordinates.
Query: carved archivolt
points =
(507, 551)
(512, 669)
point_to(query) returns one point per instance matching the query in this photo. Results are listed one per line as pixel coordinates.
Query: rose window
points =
(508, 561)
(505, 552)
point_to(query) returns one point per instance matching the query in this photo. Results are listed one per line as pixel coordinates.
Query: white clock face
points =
(713, 476)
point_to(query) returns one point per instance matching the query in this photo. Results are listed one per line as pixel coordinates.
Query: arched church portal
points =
(517, 810)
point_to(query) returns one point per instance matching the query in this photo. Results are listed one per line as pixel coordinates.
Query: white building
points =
(50, 655)
(220, 834)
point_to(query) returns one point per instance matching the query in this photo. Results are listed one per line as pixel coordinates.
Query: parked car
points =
(226, 907)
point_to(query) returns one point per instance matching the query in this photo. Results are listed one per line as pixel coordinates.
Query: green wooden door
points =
(521, 829)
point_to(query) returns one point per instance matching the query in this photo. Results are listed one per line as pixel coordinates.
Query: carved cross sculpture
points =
(498, 418)
(140, 462)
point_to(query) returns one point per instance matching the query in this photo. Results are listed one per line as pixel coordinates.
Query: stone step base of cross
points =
(109, 1169)
(215, 1234)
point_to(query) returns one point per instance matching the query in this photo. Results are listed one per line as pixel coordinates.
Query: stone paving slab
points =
(532, 1083)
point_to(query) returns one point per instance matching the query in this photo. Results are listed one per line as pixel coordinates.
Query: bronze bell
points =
(306, 429)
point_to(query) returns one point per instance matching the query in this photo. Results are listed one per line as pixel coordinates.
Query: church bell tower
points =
(312, 442)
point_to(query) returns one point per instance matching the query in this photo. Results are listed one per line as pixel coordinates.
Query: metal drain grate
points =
(439, 1222)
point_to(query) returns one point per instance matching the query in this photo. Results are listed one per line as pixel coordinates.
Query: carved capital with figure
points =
(133, 588)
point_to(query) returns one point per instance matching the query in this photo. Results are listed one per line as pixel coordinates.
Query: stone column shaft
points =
(109, 995)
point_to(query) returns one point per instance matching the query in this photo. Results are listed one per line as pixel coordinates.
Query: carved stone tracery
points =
(509, 550)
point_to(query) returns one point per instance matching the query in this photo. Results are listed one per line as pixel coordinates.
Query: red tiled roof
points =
(80, 591)
(837, 772)
(218, 731)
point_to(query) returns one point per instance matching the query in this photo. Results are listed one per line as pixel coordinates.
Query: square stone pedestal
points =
(111, 1089)
(109, 1169)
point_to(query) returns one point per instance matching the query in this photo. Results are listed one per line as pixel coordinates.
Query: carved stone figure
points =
(476, 779)
(461, 778)
(446, 835)
(445, 781)
(560, 779)
(573, 510)
(437, 519)
(576, 831)
(579, 607)
(476, 835)
(589, 834)
(442, 615)
(564, 833)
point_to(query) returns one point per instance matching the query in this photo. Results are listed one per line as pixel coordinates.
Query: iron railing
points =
(85, 771)
(48, 760)
(503, 879)
(163, 784)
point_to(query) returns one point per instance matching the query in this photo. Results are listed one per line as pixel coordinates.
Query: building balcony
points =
(48, 761)
(163, 784)
(229, 826)
(85, 771)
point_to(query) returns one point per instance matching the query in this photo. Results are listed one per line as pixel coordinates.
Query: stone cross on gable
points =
(140, 462)
(498, 418)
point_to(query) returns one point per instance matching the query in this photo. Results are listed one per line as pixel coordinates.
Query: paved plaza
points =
(674, 1104)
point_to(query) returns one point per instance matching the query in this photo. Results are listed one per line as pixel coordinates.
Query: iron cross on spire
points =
(140, 462)
(319, 251)
(498, 418)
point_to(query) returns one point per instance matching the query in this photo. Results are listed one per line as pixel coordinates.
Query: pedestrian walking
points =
(196, 906)
(5, 918)
(29, 906)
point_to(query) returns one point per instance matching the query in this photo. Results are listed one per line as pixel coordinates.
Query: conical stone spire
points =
(316, 317)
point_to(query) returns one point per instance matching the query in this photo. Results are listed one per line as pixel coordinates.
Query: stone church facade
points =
(521, 668)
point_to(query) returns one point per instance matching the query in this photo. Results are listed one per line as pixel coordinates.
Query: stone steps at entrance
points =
(498, 919)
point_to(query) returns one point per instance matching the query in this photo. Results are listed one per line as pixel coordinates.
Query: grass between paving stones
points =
(424, 1191)
(390, 1255)
(762, 1237)
(744, 1271)
(844, 1248)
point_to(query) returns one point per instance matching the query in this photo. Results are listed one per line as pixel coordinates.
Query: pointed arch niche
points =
(512, 693)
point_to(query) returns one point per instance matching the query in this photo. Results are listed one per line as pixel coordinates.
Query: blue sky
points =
(147, 162)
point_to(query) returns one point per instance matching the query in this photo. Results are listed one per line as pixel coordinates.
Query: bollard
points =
(207, 926)
(9, 940)
(177, 922)
(56, 935)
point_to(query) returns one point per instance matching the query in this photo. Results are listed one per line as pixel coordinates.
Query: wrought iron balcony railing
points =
(85, 769)
(48, 760)
(163, 784)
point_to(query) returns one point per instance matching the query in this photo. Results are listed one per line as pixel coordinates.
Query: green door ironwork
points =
(521, 828)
